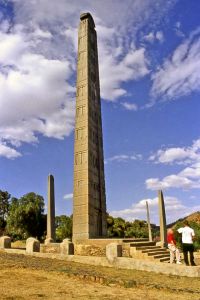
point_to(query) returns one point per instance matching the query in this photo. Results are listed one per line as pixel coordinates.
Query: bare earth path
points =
(25, 277)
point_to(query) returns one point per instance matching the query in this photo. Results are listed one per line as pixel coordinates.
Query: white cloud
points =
(159, 36)
(171, 181)
(174, 208)
(130, 106)
(123, 158)
(188, 178)
(178, 155)
(68, 196)
(34, 93)
(179, 74)
(119, 61)
(114, 72)
(38, 61)
(39, 33)
(151, 37)
(8, 152)
(178, 30)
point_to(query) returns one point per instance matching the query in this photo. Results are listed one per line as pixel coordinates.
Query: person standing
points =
(174, 251)
(187, 241)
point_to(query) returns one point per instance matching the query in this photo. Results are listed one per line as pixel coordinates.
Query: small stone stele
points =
(32, 245)
(5, 242)
(113, 250)
(48, 241)
(67, 247)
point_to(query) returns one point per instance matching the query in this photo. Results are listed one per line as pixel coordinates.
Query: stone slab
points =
(113, 250)
(67, 247)
(5, 242)
(32, 245)
(50, 248)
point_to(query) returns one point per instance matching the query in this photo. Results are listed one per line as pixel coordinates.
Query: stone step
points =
(165, 259)
(139, 244)
(157, 252)
(129, 240)
(154, 250)
(165, 255)
(147, 248)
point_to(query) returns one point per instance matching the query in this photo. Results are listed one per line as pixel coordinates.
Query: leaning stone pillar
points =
(148, 222)
(163, 227)
(51, 211)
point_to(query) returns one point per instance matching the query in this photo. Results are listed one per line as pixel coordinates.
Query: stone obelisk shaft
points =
(89, 201)
(51, 209)
(163, 227)
(148, 222)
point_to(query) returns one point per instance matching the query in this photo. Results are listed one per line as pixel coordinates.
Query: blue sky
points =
(149, 56)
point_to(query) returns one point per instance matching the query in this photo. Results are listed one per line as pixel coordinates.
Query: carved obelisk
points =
(89, 201)
(148, 222)
(163, 226)
(50, 211)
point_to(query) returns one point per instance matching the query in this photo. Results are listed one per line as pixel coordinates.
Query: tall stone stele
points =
(163, 226)
(50, 211)
(89, 201)
(148, 222)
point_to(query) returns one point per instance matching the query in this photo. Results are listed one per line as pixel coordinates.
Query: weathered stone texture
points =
(48, 241)
(148, 222)
(67, 247)
(51, 211)
(5, 242)
(90, 250)
(50, 248)
(163, 226)
(113, 250)
(32, 245)
(89, 201)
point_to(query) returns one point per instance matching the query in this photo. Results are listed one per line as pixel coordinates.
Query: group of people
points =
(187, 243)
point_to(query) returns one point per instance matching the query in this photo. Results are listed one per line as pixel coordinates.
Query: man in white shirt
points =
(187, 241)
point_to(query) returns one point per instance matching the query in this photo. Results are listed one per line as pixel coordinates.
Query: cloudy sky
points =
(149, 55)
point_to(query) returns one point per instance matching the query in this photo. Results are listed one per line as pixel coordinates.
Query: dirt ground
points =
(25, 277)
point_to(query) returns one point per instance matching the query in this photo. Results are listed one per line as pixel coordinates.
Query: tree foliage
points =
(4, 207)
(118, 227)
(63, 227)
(25, 217)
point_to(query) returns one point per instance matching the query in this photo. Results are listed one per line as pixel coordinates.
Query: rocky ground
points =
(25, 277)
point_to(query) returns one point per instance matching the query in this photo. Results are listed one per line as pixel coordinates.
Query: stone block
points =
(113, 250)
(5, 242)
(90, 250)
(48, 241)
(67, 247)
(32, 245)
(53, 248)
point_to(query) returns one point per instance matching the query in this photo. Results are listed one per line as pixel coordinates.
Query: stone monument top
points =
(87, 15)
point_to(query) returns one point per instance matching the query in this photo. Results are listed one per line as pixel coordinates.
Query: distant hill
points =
(194, 217)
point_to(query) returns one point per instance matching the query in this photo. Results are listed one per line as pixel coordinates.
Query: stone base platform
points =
(97, 247)
(121, 263)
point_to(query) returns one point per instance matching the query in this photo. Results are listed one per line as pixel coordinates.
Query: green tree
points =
(137, 229)
(4, 208)
(118, 227)
(25, 217)
(115, 226)
(63, 227)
